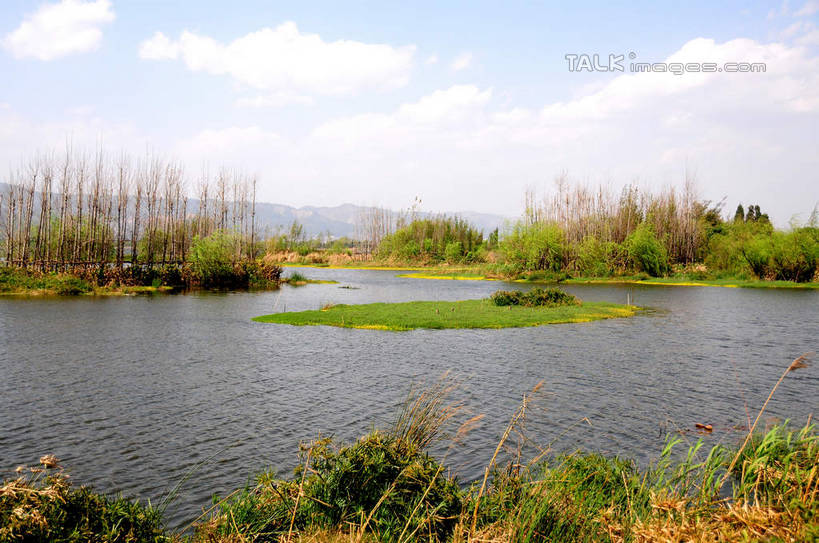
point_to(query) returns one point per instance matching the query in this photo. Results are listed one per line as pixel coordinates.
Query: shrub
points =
(536, 297)
(506, 297)
(42, 505)
(646, 252)
(69, 286)
(757, 254)
(409, 251)
(431, 239)
(267, 271)
(396, 483)
(296, 277)
(454, 252)
(576, 495)
(211, 261)
(534, 247)
(794, 255)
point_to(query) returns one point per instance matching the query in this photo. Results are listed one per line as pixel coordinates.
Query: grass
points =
(17, 282)
(480, 274)
(297, 279)
(688, 282)
(41, 504)
(441, 315)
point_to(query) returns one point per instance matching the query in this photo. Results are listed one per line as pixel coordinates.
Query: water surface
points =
(132, 392)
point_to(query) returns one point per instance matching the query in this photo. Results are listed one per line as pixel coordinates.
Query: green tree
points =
(739, 215)
(538, 246)
(646, 252)
(454, 252)
(212, 259)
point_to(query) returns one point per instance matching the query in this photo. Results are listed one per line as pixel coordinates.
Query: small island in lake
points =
(502, 310)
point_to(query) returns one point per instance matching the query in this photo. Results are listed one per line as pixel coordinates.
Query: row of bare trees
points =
(582, 211)
(372, 225)
(82, 210)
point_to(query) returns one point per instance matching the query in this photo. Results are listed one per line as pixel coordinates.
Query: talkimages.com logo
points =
(582, 62)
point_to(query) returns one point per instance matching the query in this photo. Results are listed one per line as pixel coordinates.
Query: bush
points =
(596, 258)
(646, 252)
(536, 297)
(71, 286)
(267, 271)
(19, 279)
(211, 261)
(794, 255)
(431, 240)
(454, 252)
(296, 277)
(379, 475)
(534, 247)
(41, 505)
(757, 254)
(576, 495)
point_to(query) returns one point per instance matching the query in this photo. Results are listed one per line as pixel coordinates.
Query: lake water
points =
(132, 392)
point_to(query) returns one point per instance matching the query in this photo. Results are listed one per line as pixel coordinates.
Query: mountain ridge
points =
(337, 221)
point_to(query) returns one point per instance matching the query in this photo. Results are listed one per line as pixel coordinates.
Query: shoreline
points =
(475, 273)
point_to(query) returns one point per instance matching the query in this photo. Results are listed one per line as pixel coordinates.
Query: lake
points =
(132, 393)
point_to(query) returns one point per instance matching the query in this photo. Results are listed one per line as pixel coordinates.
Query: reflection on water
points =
(134, 392)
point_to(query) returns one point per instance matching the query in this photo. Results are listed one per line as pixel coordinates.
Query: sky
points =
(464, 105)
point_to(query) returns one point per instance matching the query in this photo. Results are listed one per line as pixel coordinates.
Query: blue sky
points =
(464, 104)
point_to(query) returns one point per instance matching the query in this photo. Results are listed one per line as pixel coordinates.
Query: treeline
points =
(581, 231)
(434, 239)
(594, 232)
(294, 239)
(113, 218)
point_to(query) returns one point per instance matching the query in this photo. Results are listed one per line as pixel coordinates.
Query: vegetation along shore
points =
(581, 234)
(75, 225)
(387, 486)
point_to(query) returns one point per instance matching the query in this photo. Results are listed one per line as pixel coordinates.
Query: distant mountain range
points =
(337, 221)
(340, 220)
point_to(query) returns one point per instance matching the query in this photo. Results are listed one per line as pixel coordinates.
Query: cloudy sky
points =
(463, 104)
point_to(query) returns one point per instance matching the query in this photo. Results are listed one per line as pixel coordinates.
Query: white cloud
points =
(283, 59)
(783, 10)
(457, 148)
(810, 7)
(230, 142)
(158, 47)
(276, 99)
(21, 136)
(58, 30)
(746, 134)
(432, 59)
(462, 62)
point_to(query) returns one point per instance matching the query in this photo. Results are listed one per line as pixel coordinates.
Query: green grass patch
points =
(296, 279)
(441, 315)
(687, 282)
(480, 274)
(18, 281)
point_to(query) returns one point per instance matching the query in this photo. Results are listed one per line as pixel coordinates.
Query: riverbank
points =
(387, 487)
(15, 282)
(21, 282)
(627, 280)
(442, 315)
(488, 272)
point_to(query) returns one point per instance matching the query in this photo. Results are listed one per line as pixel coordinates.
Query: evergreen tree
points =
(739, 215)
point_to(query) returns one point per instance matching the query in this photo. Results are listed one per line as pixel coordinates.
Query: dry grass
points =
(426, 414)
(735, 522)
